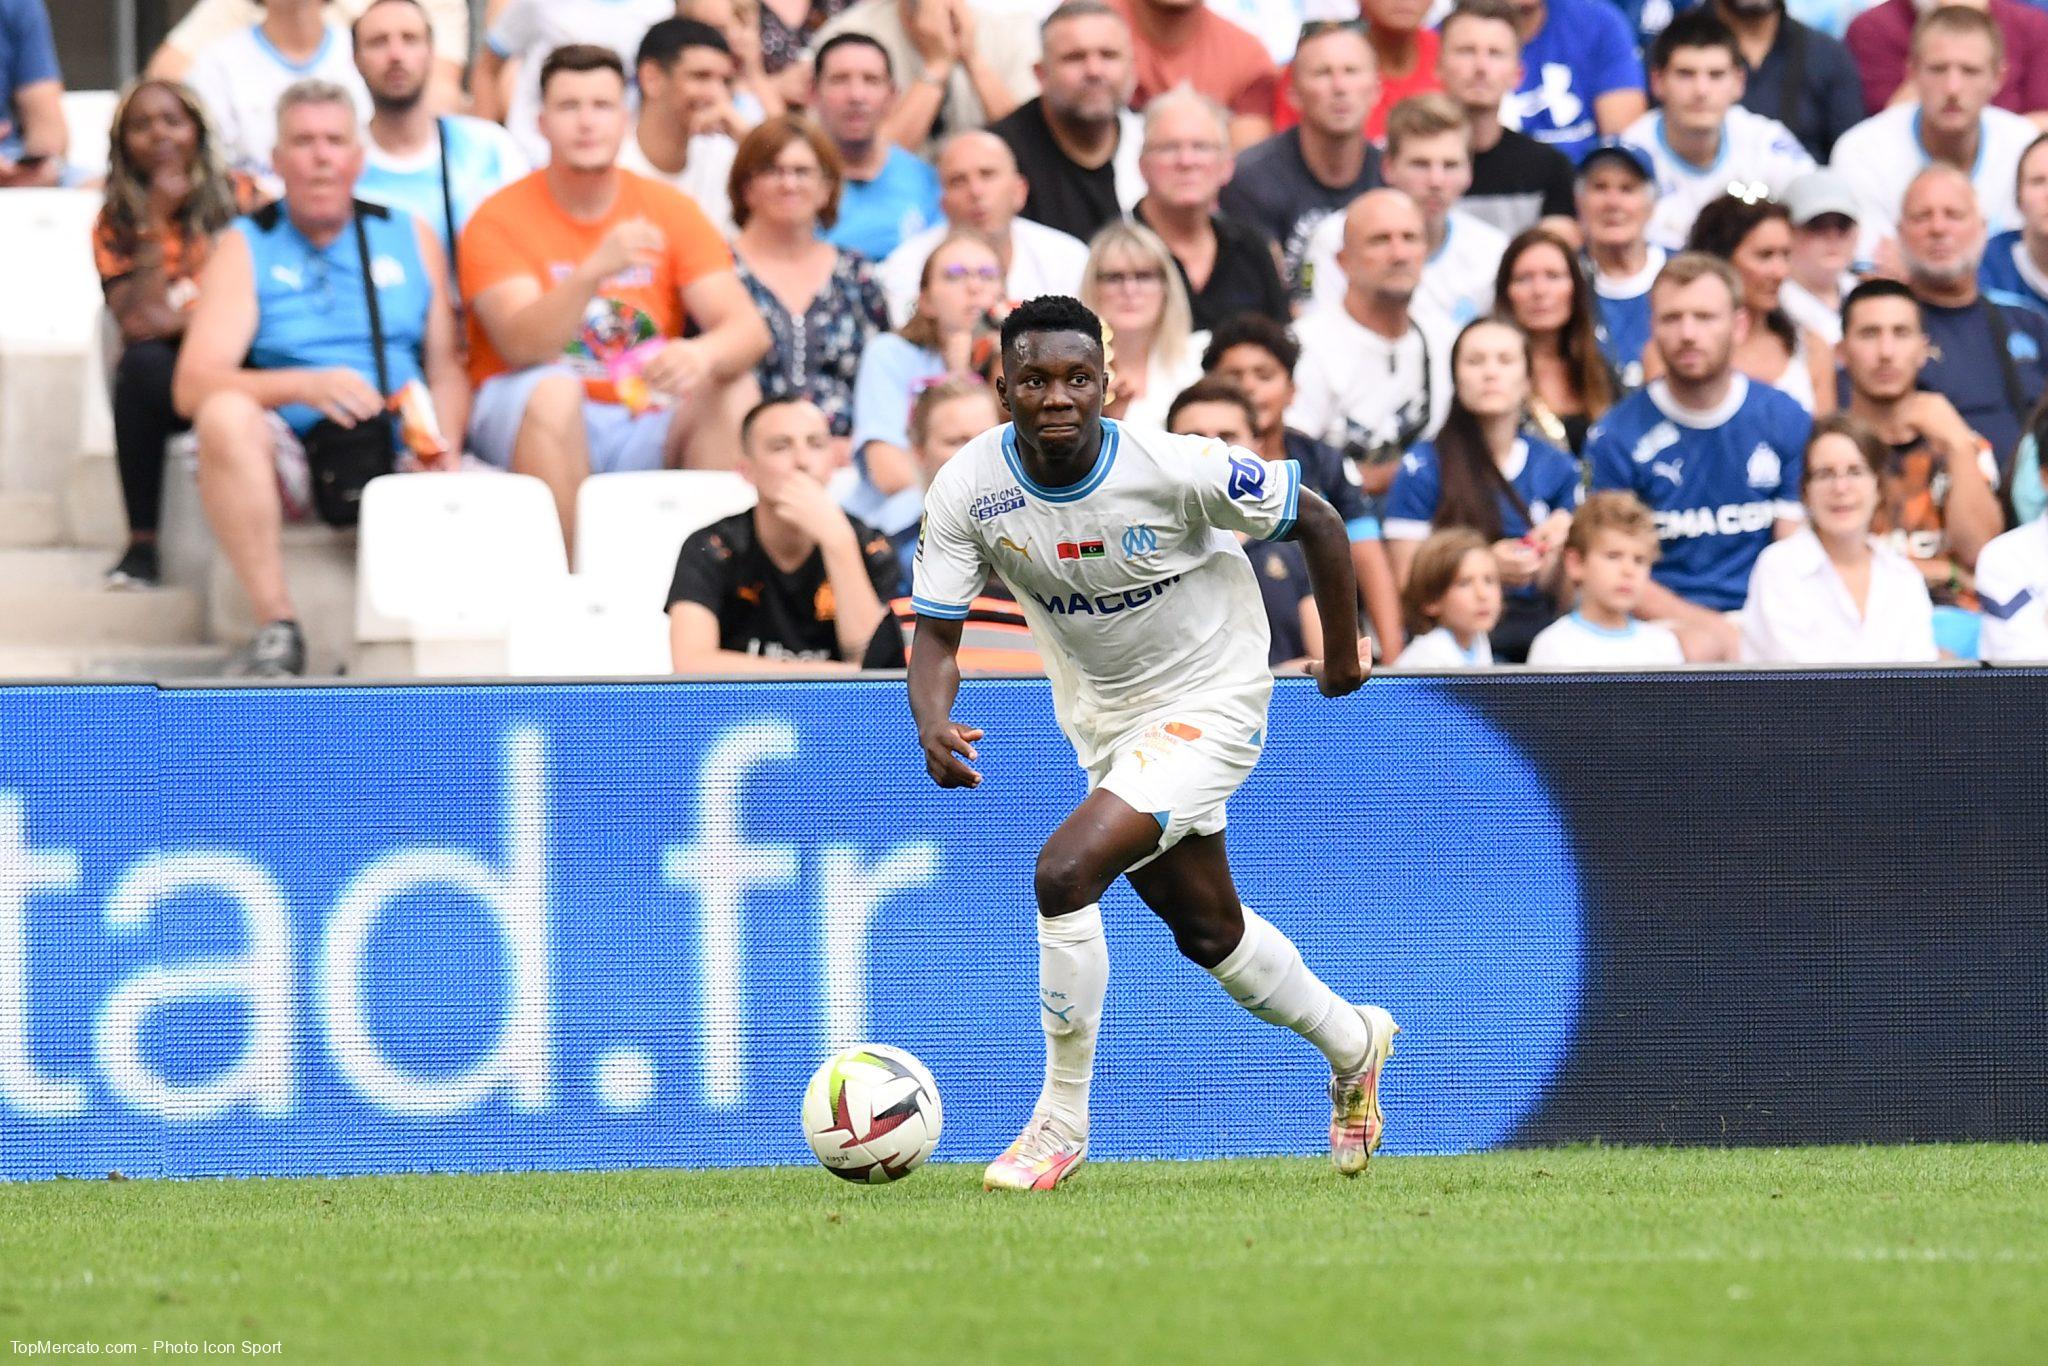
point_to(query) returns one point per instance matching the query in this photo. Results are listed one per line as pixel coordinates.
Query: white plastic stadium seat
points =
(630, 527)
(588, 627)
(46, 273)
(89, 117)
(447, 557)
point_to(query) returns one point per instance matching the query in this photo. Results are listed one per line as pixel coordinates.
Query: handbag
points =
(342, 460)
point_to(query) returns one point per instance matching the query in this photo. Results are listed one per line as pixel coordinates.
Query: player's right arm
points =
(946, 575)
(1325, 544)
(934, 683)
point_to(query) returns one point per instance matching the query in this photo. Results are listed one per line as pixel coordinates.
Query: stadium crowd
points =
(1619, 336)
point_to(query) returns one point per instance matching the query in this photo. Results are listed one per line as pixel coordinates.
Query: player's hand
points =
(679, 369)
(945, 745)
(631, 242)
(1341, 677)
(342, 396)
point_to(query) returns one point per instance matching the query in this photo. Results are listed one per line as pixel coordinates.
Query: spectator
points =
(688, 130)
(733, 608)
(1958, 56)
(756, 95)
(1257, 355)
(436, 167)
(1077, 143)
(944, 416)
(526, 31)
(1227, 267)
(1884, 41)
(1985, 356)
(279, 371)
(166, 200)
(1183, 42)
(1516, 180)
(1617, 192)
(1155, 351)
(1452, 600)
(1374, 377)
(33, 137)
(1702, 143)
(1482, 473)
(960, 288)
(1713, 455)
(1756, 238)
(209, 20)
(1289, 183)
(981, 189)
(1216, 408)
(1831, 592)
(1940, 496)
(1581, 78)
(1607, 557)
(1822, 209)
(2015, 268)
(788, 28)
(1429, 158)
(570, 275)
(2012, 583)
(960, 68)
(1799, 76)
(887, 193)
(1543, 291)
(1405, 53)
(240, 76)
(821, 302)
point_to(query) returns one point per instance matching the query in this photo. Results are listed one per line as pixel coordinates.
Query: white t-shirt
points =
(707, 168)
(1753, 149)
(1439, 649)
(2012, 586)
(1806, 309)
(1164, 380)
(1880, 156)
(1132, 579)
(1354, 387)
(1457, 279)
(482, 160)
(530, 29)
(1043, 260)
(1799, 611)
(239, 78)
(1572, 642)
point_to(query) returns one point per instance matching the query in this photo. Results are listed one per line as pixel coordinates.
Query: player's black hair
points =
(1876, 288)
(669, 39)
(1050, 313)
(1253, 329)
(838, 41)
(1699, 27)
(765, 406)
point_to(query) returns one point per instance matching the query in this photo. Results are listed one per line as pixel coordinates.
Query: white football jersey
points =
(2012, 584)
(1135, 586)
(1880, 156)
(1755, 150)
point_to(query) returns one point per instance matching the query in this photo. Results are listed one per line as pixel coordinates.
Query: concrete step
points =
(30, 519)
(54, 567)
(71, 617)
(114, 661)
(91, 503)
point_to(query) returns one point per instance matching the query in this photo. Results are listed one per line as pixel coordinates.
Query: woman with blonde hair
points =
(1153, 350)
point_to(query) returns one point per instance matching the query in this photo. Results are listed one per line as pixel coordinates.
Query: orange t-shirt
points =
(1223, 61)
(520, 232)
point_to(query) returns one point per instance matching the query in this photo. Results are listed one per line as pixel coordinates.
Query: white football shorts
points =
(1180, 767)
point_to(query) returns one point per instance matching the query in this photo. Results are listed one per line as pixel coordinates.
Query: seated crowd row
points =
(1460, 328)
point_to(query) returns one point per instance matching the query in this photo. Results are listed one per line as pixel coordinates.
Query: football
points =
(871, 1114)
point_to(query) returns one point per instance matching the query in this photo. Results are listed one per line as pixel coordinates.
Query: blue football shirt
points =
(1584, 50)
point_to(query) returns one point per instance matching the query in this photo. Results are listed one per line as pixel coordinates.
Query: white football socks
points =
(1266, 976)
(1073, 975)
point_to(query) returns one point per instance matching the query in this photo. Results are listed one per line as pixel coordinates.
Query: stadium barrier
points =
(334, 929)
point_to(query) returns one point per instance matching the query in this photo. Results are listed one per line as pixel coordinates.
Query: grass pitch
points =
(1860, 1255)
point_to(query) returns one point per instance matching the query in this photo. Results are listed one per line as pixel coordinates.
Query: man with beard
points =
(436, 169)
(1797, 75)
(887, 193)
(1077, 143)
(1715, 457)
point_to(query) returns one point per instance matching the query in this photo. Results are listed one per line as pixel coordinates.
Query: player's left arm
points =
(1324, 543)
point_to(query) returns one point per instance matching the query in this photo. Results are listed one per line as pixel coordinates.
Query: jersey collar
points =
(1105, 457)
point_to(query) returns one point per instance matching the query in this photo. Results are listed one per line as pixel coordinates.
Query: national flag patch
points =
(1080, 550)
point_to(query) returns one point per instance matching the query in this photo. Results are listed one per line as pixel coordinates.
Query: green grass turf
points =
(1854, 1255)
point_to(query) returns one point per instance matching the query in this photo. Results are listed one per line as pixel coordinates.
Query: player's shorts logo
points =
(1140, 541)
(1247, 478)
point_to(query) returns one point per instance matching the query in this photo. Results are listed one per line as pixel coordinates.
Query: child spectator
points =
(1482, 473)
(1452, 599)
(167, 199)
(1607, 558)
(1832, 593)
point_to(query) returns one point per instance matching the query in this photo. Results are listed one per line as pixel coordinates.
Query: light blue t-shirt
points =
(482, 159)
(1583, 51)
(876, 215)
(310, 309)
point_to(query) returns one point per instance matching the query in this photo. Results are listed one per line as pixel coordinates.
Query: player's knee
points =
(1207, 941)
(1063, 882)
